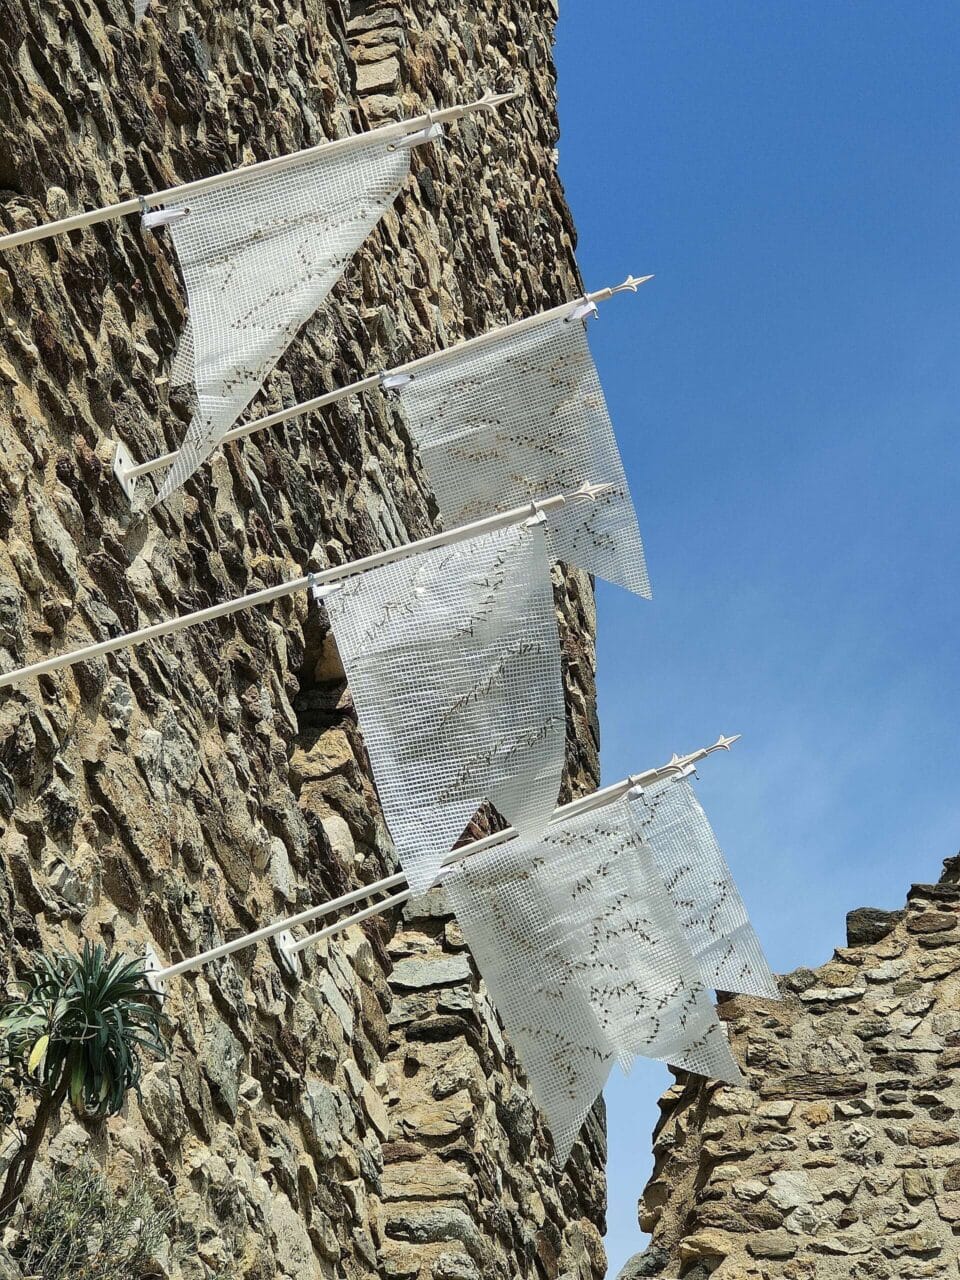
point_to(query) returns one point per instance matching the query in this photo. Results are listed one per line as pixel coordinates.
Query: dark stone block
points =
(867, 925)
(649, 1263)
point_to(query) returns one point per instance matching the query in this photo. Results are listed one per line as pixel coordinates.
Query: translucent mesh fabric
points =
(702, 889)
(139, 9)
(453, 660)
(584, 957)
(258, 256)
(523, 416)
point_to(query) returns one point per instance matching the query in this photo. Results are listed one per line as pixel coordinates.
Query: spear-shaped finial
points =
(490, 100)
(683, 765)
(593, 491)
(632, 283)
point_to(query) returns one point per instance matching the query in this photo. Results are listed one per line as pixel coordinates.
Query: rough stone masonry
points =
(842, 1159)
(369, 1120)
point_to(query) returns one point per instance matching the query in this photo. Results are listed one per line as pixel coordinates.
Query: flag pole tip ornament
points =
(491, 101)
(631, 284)
(153, 972)
(591, 492)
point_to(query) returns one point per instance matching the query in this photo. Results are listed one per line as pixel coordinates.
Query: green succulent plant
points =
(77, 1030)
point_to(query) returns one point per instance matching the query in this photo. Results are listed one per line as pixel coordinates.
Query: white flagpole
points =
(584, 304)
(258, 424)
(128, 473)
(137, 204)
(587, 492)
(679, 766)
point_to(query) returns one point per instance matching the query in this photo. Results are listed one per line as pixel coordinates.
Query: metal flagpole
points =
(128, 473)
(137, 204)
(679, 766)
(327, 577)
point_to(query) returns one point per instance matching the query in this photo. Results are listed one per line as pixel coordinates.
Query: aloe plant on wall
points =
(78, 1030)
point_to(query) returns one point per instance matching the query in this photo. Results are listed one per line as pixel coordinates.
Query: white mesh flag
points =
(524, 958)
(453, 660)
(584, 957)
(258, 255)
(519, 416)
(702, 889)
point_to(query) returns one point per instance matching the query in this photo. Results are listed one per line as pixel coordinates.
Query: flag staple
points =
(267, 595)
(431, 133)
(390, 380)
(134, 204)
(287, 951)
(595, 800)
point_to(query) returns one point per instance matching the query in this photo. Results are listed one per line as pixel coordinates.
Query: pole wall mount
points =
(289, 958)
(152, 969)
(123, 464)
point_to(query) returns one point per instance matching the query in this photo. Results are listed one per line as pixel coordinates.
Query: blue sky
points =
(786, 398)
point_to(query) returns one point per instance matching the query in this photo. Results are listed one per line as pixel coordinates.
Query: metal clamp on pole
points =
(154, 218)
(431, 133)
(584, 310)
(319, 591)
(287, 951)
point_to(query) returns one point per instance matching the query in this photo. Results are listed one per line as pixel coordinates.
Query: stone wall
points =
(843, 1157)
(368, 1120)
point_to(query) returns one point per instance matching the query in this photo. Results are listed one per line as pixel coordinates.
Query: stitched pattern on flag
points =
(258, 255)
(523, 416)
(453, 660)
